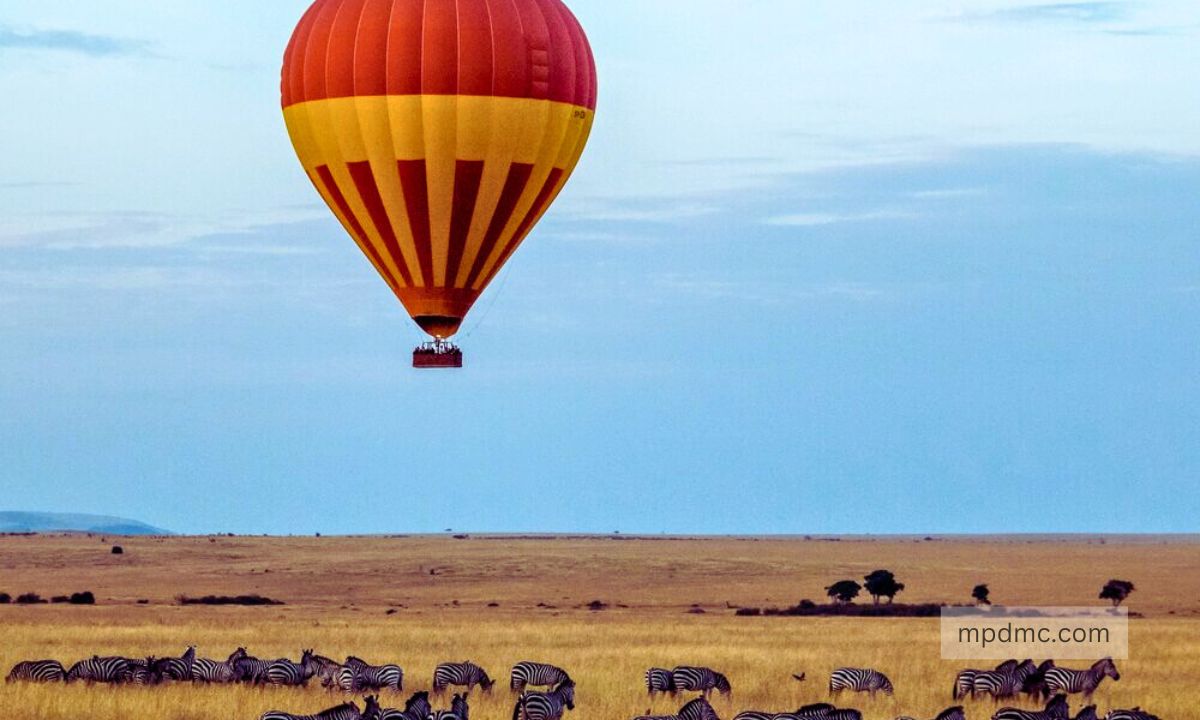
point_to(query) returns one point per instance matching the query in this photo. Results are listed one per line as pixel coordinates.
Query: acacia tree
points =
(980, 593)
(882, 583)
(1116, 591)
(843, 591)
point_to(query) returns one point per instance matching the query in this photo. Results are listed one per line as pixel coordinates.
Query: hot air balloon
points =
(438, 132)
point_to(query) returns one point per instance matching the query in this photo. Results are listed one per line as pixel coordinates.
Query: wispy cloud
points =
(637, 211)
(764, 293)
(819, 219)
(71, 41)
(1066, 12)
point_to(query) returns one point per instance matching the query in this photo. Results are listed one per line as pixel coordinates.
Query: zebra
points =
(859, 680)
(1002, 683)
(1035, 685)
(463, 673)
(533, 705)
(215, 671)
(39, 671)
(1135, 714)
(950, 713)
(536, 674)
(701, 679)
(345, 711)
(1061, 679)
(286, 672)
(698, 709)
(250, 669)
(1056, 709)
(141, 672)
(824, 711)
(99, 670)
(180, 668)
(374, 677)
(814, 712)
(1088, 713)
(458, 710)
(417, 708)
(964, 682)
(660, 680)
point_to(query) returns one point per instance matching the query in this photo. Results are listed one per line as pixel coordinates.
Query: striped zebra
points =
(659, 680)
(374, 677)
(458, 710)
(533, 705)
(464, 673)
(141, 672)
(537, 674)
(38, 671)
(99, 670)
(1056, 709)
(808, 712)
(176, 668)
(345, 711)
(1001, 684)
(1035, 685)
(700, 679)
(249, 669)
(206, 670)
(964, 682)
(1066, 680)
(859, 680)
(417, 708)
(950, 713)
(1088, 713)
(292, 674)
(698, 709)
(1135, 714)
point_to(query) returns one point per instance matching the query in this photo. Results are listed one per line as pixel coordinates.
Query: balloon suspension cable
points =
(437, 353)
(506, 272)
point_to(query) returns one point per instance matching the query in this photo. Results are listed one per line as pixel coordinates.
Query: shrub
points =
(228, 600)
(30, 599)
(5, 598)
(59, 599)
(118, 550)
(82, 598)
(748, 612)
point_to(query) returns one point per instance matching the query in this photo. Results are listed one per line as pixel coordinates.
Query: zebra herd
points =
(1045, 682)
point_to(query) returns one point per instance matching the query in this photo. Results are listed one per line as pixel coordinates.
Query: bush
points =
(82, 598)
(59, 599)
(748, 612)
(5, 598)
(228, 600)
(118, 550)
(30, 599)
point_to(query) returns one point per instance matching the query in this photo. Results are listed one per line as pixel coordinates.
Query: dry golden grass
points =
(338, 591)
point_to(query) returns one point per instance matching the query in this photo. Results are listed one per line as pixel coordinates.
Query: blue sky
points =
(826, 267)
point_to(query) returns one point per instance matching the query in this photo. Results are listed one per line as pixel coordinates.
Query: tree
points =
(882, 583)
(980, 593)
(843, 591)
(1117, 591)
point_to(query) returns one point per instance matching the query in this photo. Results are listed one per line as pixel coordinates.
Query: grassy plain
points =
(498, 600)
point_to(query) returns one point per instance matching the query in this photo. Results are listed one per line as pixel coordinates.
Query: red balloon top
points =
(506, 48)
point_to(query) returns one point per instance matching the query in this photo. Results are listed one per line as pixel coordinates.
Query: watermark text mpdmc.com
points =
(1065, 633)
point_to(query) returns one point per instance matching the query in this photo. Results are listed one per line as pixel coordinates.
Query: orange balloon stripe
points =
(540, 205)
(514, 187)
(329, 188)
(368, 192)
(468, 174)
(414, 178)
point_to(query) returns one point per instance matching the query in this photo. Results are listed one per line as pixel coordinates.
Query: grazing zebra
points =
(180, 668)
(288, 673)
(374, 677)
(698, 709)
(1035, 685)
(537, 674)
(141, 672)
(859, 680)
(1002, 683)
(99, 670)
(463, 673)
(1135, 714)
(345, 711)
(1061, 679)
(250, 669)
(215, 671)
(808, 712)
(417, 708)
(700, 679)
(964, 682)
(950, 713)
(1056, 709)
(659, 680)
(39, 671)
(458, 710)
(533, 705)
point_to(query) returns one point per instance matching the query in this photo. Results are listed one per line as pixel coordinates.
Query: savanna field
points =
(418, 601)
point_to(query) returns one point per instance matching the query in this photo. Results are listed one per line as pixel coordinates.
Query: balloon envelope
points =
(439, 132)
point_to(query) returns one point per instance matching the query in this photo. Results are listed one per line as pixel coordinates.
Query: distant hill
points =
(20, 522)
